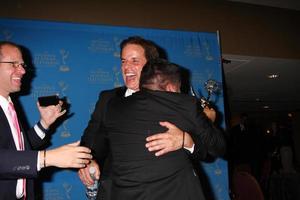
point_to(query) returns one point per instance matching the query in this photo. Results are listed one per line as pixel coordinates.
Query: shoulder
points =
(159, 93)
(173, 99)
(106, 95)
(181, 98)
(119, 91)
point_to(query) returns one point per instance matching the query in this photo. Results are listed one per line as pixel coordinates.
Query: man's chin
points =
(16, 89)
(131, 85)
(134, 88)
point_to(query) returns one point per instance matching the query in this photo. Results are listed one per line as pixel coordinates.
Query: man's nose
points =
(21, 69)
(126, 64)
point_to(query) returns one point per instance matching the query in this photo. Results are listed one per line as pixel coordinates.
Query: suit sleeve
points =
(35, 141)
(209, 140)
(18, 164)
(94, 135)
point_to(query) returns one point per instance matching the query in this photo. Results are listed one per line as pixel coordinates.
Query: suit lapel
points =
(6, 131)
(120, 92)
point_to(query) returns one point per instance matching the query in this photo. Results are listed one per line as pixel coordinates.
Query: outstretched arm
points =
(67, 156)
(19, 164)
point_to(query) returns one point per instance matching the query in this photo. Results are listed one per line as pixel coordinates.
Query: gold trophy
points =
(212, 87)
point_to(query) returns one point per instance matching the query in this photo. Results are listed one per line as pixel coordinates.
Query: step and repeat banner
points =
(78, 61)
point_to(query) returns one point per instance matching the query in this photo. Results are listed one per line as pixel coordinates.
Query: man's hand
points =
(68, 156)
(85, 176)
(210, 113)
(50, 113)
(171, 140)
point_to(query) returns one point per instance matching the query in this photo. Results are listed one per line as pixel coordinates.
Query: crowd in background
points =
(265, 153)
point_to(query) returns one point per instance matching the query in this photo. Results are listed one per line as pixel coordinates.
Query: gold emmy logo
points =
(117, 42)
(117, 72)
(67, 187)
(64, 55)
(217, 169)
(65, 132)
(218, 172)
(63, 92)
(63, 87)
(207, 51)
(91, 108)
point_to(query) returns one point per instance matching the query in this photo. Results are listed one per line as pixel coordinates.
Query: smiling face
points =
(133, 60)
(10, 75)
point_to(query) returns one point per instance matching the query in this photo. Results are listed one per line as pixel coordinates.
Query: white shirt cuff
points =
(190, 149)
(39, 132)
(38, 162)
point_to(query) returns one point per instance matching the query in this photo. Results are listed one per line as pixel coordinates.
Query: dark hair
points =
(4, 43)
(151, 51)
(157, 73)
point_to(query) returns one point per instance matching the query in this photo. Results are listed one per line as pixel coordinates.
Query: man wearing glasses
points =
(19, 162)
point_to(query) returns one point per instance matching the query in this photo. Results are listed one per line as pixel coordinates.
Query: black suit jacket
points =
(16, 164)
(128, 121)
(143, 110)
(92, 136)
(95, 136)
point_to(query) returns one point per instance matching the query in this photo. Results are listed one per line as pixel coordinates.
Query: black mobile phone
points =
(48, 100)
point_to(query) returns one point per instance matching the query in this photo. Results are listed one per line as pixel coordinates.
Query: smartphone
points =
(48, 100)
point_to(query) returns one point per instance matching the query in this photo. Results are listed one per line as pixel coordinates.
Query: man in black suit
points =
(19, 162)
(137, 173)
(135, 51)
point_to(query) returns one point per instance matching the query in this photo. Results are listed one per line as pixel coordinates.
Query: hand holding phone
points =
(48, 100)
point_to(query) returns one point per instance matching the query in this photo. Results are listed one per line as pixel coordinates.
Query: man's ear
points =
(171, 87)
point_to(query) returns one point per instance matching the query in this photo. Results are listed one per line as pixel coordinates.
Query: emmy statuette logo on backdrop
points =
(64, 55)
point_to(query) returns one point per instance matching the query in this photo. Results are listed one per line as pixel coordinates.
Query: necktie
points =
(14, 118)
(20, 142)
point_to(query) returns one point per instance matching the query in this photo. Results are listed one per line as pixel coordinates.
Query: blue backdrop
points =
(77, 61)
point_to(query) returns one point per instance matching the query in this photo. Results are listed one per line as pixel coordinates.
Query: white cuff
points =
(190, 149)
(38, 162)
(39, 132)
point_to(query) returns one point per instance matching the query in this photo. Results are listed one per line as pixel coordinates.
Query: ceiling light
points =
(266, 107)
(273, 76)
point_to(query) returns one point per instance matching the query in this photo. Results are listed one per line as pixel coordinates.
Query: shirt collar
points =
(4, 102)
(129, 92)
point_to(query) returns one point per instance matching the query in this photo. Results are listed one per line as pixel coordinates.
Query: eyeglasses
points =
(15, 64)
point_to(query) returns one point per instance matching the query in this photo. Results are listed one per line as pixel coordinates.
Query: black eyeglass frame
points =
(15, 64)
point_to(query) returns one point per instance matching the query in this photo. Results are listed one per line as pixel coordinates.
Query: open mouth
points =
(17, 80)
(130, 76)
